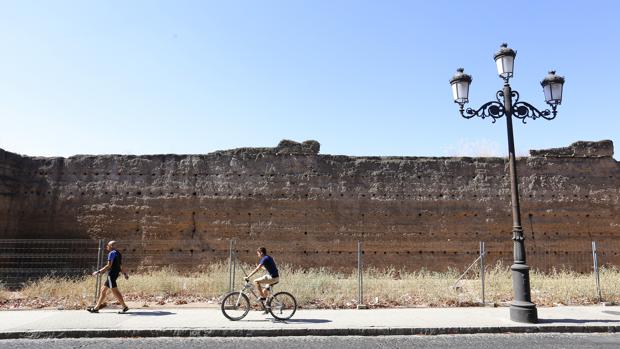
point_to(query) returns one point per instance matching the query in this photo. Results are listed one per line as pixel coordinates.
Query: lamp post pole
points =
(521, 309)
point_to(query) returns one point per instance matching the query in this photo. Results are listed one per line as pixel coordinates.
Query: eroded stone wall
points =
(10, 168)
(311, 209)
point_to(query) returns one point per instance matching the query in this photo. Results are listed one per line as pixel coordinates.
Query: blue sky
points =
(361, 77)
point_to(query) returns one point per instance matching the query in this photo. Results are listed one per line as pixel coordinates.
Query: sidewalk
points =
(210, 322)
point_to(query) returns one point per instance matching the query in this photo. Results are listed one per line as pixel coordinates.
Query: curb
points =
(296, 332)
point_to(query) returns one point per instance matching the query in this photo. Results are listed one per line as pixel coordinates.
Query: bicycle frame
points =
(248, 286)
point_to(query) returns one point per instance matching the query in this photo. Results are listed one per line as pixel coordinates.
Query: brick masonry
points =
(310, 209)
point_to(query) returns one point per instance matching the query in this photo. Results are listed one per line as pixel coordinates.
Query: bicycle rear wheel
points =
(282, 305)
(235, 306)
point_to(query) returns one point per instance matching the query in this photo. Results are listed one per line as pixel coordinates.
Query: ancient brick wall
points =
(10, 168)
(311, 209)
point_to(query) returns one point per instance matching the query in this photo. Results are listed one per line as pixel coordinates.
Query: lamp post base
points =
(523, 312)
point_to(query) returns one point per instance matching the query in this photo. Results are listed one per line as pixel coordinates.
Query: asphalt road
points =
(548, 340)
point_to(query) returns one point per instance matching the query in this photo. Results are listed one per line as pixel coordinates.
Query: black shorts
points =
(110, 281)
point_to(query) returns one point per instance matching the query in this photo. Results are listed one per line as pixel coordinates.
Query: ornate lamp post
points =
(507, 104)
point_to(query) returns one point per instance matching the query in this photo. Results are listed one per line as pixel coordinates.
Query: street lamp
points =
(521, 309)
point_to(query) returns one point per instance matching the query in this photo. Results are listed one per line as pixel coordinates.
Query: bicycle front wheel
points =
(235, 306)
(282, 305)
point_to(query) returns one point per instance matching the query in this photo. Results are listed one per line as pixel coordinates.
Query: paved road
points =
(568, 341)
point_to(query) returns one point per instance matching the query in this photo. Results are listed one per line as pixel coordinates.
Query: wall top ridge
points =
(311, 148)
(579, 149)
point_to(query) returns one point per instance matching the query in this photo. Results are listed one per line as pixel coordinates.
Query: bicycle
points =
(236, 305)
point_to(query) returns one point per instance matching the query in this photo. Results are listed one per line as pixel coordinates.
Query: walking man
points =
(272, 276)
(114, 269)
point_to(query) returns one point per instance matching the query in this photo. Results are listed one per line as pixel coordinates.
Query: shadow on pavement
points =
(611, 312)
(149, 313)
(575, 321)
(293, 321)
(307, 321)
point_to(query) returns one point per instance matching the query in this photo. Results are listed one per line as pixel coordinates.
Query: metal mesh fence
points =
(143, 255)
(608, 253)
(306, 269)
(24, 260)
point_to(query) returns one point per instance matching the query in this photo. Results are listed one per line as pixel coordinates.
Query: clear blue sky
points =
(361, 77)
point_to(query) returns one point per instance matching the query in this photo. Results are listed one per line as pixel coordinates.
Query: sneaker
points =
(92, 310)
(262, 299)
(124, 310)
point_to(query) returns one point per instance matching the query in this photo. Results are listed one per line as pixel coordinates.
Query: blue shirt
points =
(270, 265)
(115, 257)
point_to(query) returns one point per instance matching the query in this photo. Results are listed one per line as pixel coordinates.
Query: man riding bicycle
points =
(281, 305)
(272, 276)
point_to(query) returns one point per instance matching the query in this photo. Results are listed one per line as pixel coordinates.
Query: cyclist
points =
(270, 278)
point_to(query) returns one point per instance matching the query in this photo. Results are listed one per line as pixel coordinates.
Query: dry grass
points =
(4, 294)
(322, 288)
(211, 281)
(63, 292)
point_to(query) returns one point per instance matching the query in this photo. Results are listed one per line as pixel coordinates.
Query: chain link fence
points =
(363, 273)
(25, 260)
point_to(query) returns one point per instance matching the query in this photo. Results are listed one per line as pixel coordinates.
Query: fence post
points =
(360, 282)
(230, 261)
(596, 274)
(482, 252)
(98, 279)
(234, 263)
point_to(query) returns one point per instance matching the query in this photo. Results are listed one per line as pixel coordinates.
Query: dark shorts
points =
(110, 281)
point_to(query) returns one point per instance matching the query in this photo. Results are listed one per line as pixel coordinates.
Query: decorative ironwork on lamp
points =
(507, 104)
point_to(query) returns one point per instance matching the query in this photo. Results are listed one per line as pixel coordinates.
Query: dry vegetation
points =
(322, 288)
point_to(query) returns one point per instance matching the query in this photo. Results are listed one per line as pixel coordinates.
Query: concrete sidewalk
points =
(210, 322)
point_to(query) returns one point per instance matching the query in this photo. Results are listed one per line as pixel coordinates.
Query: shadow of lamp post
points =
(507, 104)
